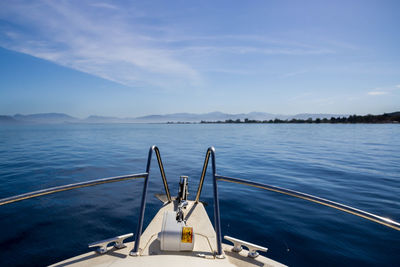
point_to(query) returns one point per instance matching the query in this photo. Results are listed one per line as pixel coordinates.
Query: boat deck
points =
(151, 254)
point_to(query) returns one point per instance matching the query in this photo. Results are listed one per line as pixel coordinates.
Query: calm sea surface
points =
(358, 165)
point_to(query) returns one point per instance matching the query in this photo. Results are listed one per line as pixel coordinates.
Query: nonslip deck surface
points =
(151, 255)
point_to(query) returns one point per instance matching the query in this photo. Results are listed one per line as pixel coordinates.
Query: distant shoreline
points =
(369, 119)
(60, 118)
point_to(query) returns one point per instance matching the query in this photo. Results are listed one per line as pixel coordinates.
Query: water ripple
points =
(358, 165)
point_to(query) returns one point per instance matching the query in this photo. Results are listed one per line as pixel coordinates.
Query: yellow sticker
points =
(187, 234)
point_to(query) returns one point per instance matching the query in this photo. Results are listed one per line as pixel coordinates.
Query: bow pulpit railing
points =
(338, 206)
(144, 175)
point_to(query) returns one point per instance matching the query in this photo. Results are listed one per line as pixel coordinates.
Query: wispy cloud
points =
(108, 48)
(256, 50)
(125, 45)
(377, 93)
(293, 73)
(104, 5)
(231, 71)
(383, 90)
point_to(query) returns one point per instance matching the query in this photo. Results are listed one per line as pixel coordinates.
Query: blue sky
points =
(132, 58)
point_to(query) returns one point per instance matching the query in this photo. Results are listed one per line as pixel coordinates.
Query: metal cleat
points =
(237, 246)
(118, 240)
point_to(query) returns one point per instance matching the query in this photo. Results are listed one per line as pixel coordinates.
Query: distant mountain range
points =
(51, 118)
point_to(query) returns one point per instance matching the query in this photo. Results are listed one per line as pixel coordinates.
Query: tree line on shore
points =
(383, 118)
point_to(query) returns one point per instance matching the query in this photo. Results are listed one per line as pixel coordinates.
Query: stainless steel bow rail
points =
(217, 222)
(360, 213)
(145, 175)
(135, 251)
(211, 152)
(67, 187)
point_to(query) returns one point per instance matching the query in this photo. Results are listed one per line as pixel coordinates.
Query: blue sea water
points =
(355, 164)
